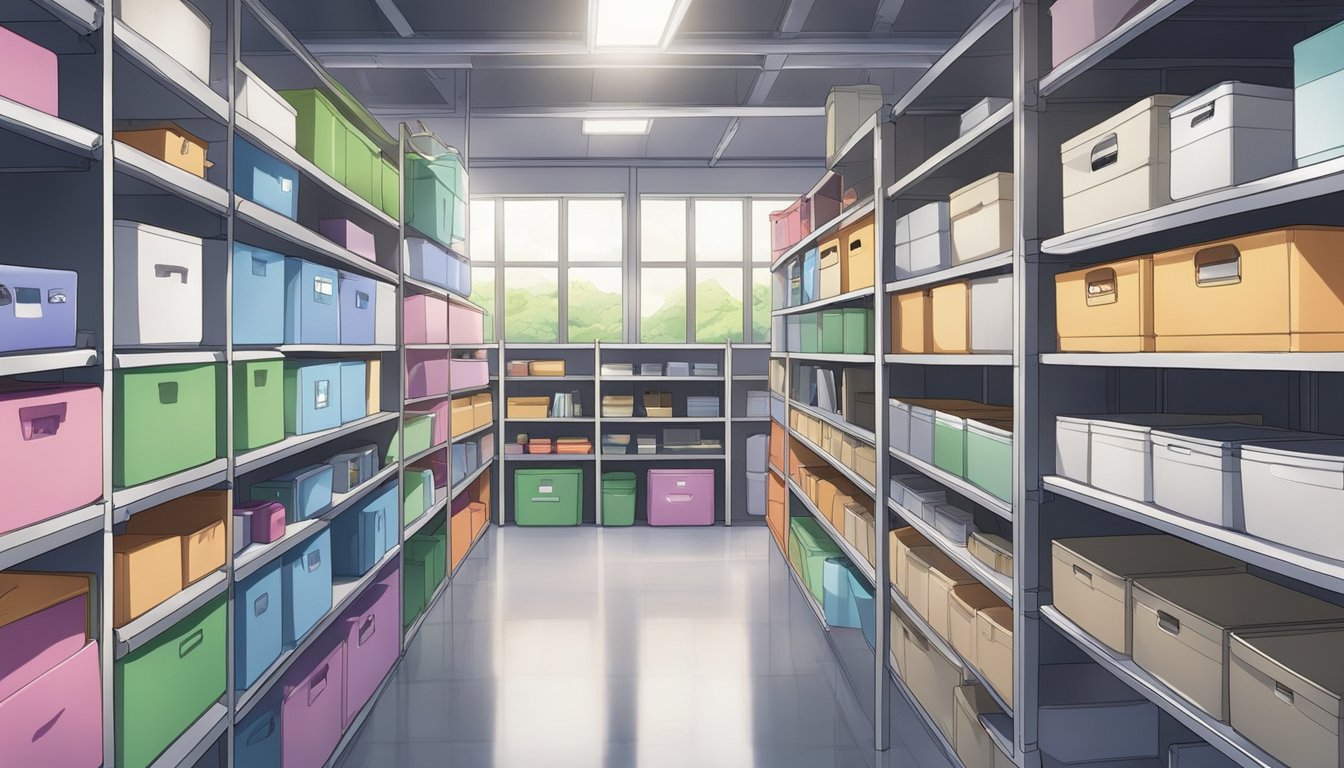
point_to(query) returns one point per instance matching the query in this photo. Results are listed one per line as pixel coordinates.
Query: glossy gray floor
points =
(627, 648)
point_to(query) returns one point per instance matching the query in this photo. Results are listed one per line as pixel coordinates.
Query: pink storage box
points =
(312, 715)
(426, 320)
(487, 444)
(29, 73)
(58, 718)
(38, 642)
(469, 374)
(442, 411)
(465, 325)
(438, 464)
(350, 236)
(51, 438)
(372, 631)
(267, 520)
(1076, 24)
(426, 373)
(681, 497)
(786, 228)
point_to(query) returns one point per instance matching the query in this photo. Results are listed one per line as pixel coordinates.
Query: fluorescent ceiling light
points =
(611, 127)
(633, 25)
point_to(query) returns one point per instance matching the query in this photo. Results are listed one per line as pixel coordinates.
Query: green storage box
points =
(832, 331)
(391, 181)
(419, 437)
(809, 549)
(618, 498)
(258, 404)
(949, 443)
(165, 420)
(413, 495)
(809, 334)
(426, 562)
(548, 496)
(363, 172)
(163, 687)
(435, 190)
(989, 456)
(321, 131)
(858, 331)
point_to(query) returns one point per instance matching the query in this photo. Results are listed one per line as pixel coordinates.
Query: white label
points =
(546, 489)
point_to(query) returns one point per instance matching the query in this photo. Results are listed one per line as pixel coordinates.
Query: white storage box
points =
(1088, 715)
(1228, 135)
(982, 218)
(174, 27)
(1197, 755)
(953, 522)
(921, 432)
(981, 112)
(1120, 455)
(992, 314)
(1197, 470)
(1120, 167)
(259, 103)
(1072, 449)
(157, 288)
(385, 306)
(847, 107)
(908, 489)
(924, 241)
(1293, 494)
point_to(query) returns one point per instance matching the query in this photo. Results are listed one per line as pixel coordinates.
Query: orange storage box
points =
(911, 318)
(777, 446)
(775, 515)
(146, 570)
(950, 310)
(460, 537)
(198, 523)
(483, 409)
(463, 417)
(170, 144)
(1276, 291)
(1108, 308)
(857, 258)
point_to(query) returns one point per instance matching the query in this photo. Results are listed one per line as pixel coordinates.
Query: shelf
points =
(1217, 361)
(169, 178)
(426, 453)
(662, 457)
(822, 357)
(554, 420)
(543, 379)
(1220, 736)
(167, 614)
(428, 399)
(661, 420)
(466, 303)
(750, 419)
(1002, 261)
(1224, 206)
(338, 349)
(1295, 564)
(420, 286)
(855, 557)
(472, 390)
(1001, 118)
(461, 486)
(1102, 49)
(352, 731)
(943, 647)
(128, 501)
(615, 379)
(807, 595)
(264, 139)
(430, 347)
(477, 538)
(835, 420)
(194, 742)
(340, 502)
(40, 361)
(80, 15)
(844, 298)
(473, 432)
(949, 751)
(424, 615)
(30, 541)
(861, 139)
(169, 72)
(1000, 585)
(146, 357)
(850, 216)
(291, 234)
(343, 593)
(543, 457)
(971, 359)
(851, 475)
(997, 12)
(50, 130)
(959, 485)
(418, 524)
(294, 444)
(250, 560)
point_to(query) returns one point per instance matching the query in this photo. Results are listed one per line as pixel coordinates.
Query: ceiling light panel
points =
(634, 25)
(617, 127)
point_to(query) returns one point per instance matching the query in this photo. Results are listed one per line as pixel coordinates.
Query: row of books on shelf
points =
(678, 369)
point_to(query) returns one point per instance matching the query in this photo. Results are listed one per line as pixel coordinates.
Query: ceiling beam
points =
(395, 17)
(599, 111)
(887, 11)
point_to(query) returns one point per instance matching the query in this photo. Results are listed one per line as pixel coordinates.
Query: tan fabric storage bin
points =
(943, 578)
(902, 542)
(373, 384)
(1284, 692)
(950, 309)
(970, 740)
(982, 218)
(964, 602)
(170, 144)
(994, 649)
(829, 270)
(1276, 291)
(1182, 625)
(931, 678)
(857, 256)
(1093, 577)
(463, 417)
(992, 550)
(896, 643)
(482, 409)
(912, 322)
(923, 566)
(198, 523)
(146, 570)
(523, 407)
(1107, 308)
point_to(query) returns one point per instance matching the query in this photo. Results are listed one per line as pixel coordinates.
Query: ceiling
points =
(743, 82)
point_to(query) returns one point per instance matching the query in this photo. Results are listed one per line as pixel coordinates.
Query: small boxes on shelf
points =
(618, 406)
(1231, 134)
(304, 493)
(312, 307)
(982, 218)
(158, 291)
(171, 144)
(349, 236)
(658, 405)
(258, 102)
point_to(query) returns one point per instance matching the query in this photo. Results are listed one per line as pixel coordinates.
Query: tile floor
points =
(629, 648)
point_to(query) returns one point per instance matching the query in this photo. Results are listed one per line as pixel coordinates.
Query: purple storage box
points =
(39, 642)
(312, 714)
(487, 444)
(267, 520)
(56, 720)
(1076, 24)
(438, 464)
(349, 235)
(442, 411)
(681, 497)
(37, 307)
(372, 631)
(426, 373)
(469, 374)
(358, 313)
(29, 73)
(428, 262)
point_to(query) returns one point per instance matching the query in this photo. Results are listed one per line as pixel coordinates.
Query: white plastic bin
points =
(174, 27)
(385, 307)
(992, 314)
(1228, 135)
(924, 241)
(921, 432)
(955, 523)
(981, 112)
(1293, 494)
(982, 218)
(259, 103)
(1120, 167)
(1120, 456)
(1072, 447)
(847, 107)
(157, 287)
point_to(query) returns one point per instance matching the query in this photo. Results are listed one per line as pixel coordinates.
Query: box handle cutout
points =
(368, 628)
(168, 393)
(1082, 575)
(190, 643)
(164, 271)
(56, 296)
(314, 561)
(1106, 152)
(1283, 693)
(1102, 287)
(1321, 478)
(259, 735)
(321, 394)
(260, 605)
(41, 421)
(545, 499)
(1168, 623)
(318, 685)
(259, 267)
(6, 296)
(856, 244)
(361, 300)
(1219, 265)
(1204, 115)
(323, 289)
(1180, 449)
(259, 378)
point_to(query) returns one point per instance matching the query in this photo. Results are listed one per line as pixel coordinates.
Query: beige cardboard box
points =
(994, 649)
(912, 322)
(970, 740)
(858, 260)
(931, 678)
(964, 602)
(147, 569)
(951, 314)
(1107, 308)
(1284, 691)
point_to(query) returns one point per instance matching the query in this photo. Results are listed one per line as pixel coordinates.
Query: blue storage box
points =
(459, 469)
(846, 598)
(305, 493)
(312, 397)
(810, 267)
(385, 498)
(461, 285)
(258, 633)
(256, 741)
(427, 476)
(358, 309)
(312, 310)
(1318, 96)
(426, 261)
(258, 295)
(358, 537)
(354, 390)
(37, 308)
(306, 574)
(265, 180)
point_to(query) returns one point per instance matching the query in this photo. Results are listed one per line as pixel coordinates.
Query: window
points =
(662, 305)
